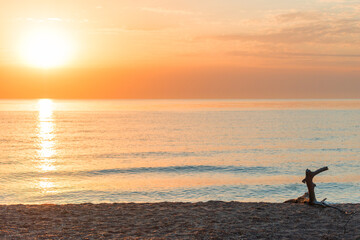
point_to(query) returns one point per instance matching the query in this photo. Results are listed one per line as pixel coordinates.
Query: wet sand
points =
(210, 220)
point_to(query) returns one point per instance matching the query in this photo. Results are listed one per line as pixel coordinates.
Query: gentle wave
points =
(142, 170)
(212, 153)
(184, 169)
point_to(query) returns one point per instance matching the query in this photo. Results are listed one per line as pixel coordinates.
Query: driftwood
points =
(310, 197)
(303, 199)
(309, 175)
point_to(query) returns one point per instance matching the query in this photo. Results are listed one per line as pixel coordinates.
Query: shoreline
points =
(178, 220)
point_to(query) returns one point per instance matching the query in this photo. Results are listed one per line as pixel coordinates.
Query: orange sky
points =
(186, 49)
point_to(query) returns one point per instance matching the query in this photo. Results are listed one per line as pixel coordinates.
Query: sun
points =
(46, 48)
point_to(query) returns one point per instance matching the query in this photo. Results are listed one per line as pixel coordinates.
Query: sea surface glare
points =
(56, 151)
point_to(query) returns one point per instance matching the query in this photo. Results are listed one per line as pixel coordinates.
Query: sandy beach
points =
(208, 220)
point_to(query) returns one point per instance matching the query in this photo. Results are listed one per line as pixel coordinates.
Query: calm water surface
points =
(54, 151)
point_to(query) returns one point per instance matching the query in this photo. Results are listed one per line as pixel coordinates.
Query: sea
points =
(104, 151)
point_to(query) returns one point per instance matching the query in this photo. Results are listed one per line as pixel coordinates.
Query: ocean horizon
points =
(76, 151)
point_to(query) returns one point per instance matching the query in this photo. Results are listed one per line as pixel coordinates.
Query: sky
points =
(184, 49)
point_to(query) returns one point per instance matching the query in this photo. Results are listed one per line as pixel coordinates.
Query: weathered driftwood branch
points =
(309, 175)
(310, 197)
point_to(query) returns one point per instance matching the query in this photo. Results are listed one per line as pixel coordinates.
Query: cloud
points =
(298, 16)
(55, 19)
(339, 1)
(167, 11)
(292, 54)
(320, 31)
(298, 54)
(300, 38)
(50, 20)
(39, 20)
(108, 31)
(119, 30)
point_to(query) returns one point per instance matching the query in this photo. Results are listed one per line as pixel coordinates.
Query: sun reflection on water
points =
(46, 142)
(46, 185)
